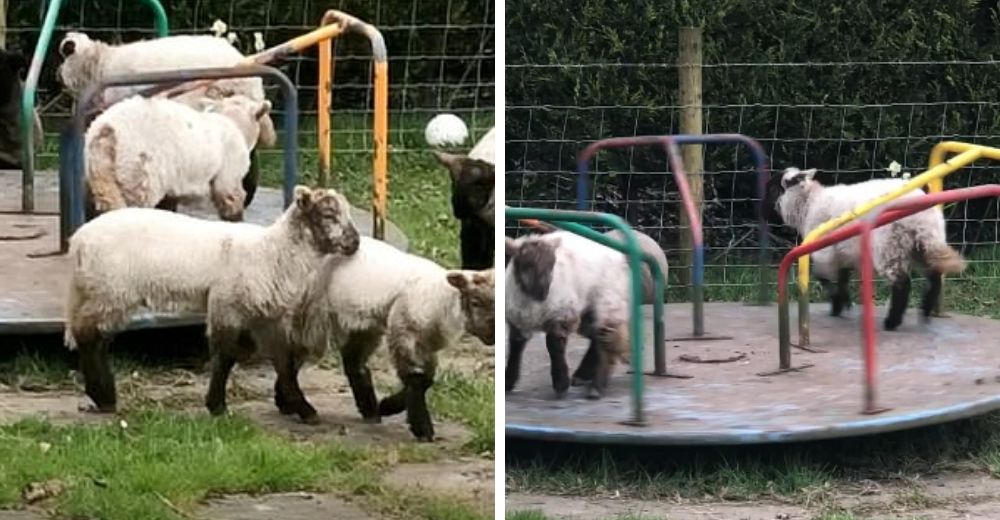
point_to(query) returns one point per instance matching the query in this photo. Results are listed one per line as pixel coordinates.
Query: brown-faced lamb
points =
(382, 294)
(139, 259)
(560, 283)
(472, 189)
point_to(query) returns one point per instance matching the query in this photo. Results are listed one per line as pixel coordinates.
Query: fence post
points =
(689, 58)
(3, 24)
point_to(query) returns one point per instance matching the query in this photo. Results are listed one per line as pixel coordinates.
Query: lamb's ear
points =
(303, 196)
(458, 280)
(483, 277)
(510, 247)
(67, 47)
(262, 110)
(450, 161)
(810, 173)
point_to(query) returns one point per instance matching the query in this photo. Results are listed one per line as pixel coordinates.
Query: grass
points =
(470, 401)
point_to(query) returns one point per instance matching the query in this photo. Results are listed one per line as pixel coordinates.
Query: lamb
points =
(12, 68)
(136, 259)
(562, 283)
(87, 61)
(805, 204)
(382, 293)
(142, 151)
(472, 189)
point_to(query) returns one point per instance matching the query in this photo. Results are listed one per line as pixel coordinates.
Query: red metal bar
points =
(905, 207)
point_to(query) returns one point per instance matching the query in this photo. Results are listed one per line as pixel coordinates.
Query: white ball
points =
(446, 130)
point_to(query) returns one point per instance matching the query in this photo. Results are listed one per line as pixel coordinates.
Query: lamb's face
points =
(248, 115)
(472, 183)
(79, 66)
(794, 186)
(326, 217)
(532, 259)
(477, 289)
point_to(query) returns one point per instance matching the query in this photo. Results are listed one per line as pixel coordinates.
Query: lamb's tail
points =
(101, 179)
(942, 258)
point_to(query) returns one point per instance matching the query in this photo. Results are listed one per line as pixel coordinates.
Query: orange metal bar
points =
(323, 110)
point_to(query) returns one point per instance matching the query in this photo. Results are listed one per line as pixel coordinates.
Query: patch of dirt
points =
(951, 495)
(14, 514)
(289, 506)
(464, 478)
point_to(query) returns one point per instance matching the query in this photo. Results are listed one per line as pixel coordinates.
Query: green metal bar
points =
(632, 251)
(31, 87)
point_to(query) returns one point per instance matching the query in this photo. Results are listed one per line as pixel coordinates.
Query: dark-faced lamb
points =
(805, 204)
(12, 69)
(243, 276)
(382, 294)
(560, 283)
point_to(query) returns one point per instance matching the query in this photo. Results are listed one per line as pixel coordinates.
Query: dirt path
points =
(470, 479)
(955, 495)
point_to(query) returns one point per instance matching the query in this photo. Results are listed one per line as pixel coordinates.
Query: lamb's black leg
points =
(555, 341)
(224, 345)
(516, 343)
(222, 366)
(585, 372)
(417, 415)
(287, 368)
(842, 296)
(99, 381)
(897, 304)
(355, 355)
(932, 295)
(252, 178)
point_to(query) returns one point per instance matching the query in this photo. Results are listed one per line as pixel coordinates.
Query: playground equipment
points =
(71, 151)
(333, 25)
(671, 145)
(934, 374)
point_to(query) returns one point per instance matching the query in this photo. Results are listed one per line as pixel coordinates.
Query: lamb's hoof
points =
(891, 325)
(594, 393)
(312, 420)
(579, 381)
(216, 409)
(560, 395)
(423, 433)
(98, 409)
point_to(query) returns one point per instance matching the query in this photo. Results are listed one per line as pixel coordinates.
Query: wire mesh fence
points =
(881, 133)
(441, 59)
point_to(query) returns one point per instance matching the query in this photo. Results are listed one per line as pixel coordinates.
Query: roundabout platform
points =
(32, 288)
(927, 374)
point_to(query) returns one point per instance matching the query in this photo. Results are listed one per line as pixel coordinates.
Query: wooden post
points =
(3, 24)
(689, 91)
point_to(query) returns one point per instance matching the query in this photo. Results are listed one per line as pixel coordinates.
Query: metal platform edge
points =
(28, 326)
(867, 426)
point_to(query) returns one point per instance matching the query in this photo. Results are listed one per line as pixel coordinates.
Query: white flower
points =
(894, 168)
(123, 424)
(233, 38)
(906, 176)
(258, 42)
(219, 28)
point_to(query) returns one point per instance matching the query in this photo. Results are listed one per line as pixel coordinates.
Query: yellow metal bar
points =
(381, 163)
(323, 110)
(935, 173)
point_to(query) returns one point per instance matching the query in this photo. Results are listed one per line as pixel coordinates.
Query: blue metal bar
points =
(72, 207)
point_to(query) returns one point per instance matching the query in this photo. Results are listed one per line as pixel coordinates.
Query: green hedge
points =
(804, 115)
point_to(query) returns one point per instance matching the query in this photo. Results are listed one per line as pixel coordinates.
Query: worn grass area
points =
(470, 401)
(537, 515)
(158, 465)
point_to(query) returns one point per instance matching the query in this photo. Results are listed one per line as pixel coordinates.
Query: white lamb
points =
(805, 204)
(242, 275)
(87, 61)
(384, 294)
(142, 151)
(560, 283)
